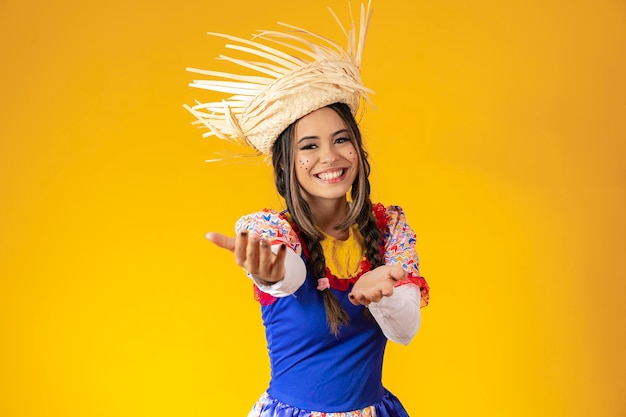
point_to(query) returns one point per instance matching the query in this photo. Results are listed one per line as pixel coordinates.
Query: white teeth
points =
(330, 175)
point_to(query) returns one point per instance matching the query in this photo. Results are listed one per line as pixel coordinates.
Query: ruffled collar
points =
(344, 283)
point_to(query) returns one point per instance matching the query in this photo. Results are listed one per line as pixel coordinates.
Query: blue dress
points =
(313, 372)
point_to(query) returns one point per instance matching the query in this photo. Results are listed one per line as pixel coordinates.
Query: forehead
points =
(319, 123)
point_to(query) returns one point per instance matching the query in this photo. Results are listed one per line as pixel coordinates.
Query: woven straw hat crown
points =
(299, 72)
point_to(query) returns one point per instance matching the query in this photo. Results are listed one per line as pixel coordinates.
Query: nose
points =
(329, 155)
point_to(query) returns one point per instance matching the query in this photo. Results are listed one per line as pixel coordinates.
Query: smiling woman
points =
(336, 275)
(500, 130)
(325, 156)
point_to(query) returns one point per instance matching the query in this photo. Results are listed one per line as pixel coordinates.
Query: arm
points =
(395, 292)
(395, 308)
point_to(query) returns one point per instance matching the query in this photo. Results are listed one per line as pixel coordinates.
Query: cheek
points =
(303, 164)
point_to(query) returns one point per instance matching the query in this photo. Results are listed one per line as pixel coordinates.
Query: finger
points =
(374, 296)
(222, 241)
(387, 291)
(265, 259)
(278, 264)
(241, 244)
(358, 299)
(252, 256)
(280, 255)
(353, 299)
(364, 301)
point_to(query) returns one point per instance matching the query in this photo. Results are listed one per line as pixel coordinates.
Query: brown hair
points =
(360, 211)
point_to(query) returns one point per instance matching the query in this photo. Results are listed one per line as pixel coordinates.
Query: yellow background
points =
(499, 127)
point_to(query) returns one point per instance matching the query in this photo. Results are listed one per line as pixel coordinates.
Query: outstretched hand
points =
(376, 284)
(254, 255)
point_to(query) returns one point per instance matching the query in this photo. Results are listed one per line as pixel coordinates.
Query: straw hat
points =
(299, 72)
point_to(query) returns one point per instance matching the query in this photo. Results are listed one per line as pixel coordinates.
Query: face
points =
(325, 158)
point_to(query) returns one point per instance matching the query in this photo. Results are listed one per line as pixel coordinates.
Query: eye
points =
(342, 140)
(308, 146)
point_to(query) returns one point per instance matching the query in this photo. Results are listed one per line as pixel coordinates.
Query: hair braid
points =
(336, 316)
(372, 235)
(360, 211)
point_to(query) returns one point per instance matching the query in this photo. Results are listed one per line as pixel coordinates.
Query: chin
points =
(330, 195)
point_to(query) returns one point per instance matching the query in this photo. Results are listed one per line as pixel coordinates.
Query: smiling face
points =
(326, 161)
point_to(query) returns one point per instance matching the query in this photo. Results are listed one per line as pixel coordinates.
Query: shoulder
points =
(397, 234)
(389, 217)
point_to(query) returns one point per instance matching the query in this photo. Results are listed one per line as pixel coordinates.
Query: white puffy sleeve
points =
(399, 315)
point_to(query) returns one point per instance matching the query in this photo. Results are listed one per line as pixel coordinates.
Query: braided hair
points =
(360, 211)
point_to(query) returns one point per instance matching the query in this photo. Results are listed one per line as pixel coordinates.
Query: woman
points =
(336, 276)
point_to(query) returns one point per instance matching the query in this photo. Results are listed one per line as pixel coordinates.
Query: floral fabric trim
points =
(279, 409)
(400, 242)
(273, 226)
(397, 246)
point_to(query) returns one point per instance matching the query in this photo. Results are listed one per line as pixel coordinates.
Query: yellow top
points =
(343, 257)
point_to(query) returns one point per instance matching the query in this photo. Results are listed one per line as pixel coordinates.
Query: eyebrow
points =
(339, 132)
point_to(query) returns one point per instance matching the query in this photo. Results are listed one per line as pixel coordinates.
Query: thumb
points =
(222, 241)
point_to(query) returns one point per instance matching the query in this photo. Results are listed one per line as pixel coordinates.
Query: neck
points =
(327, 214)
